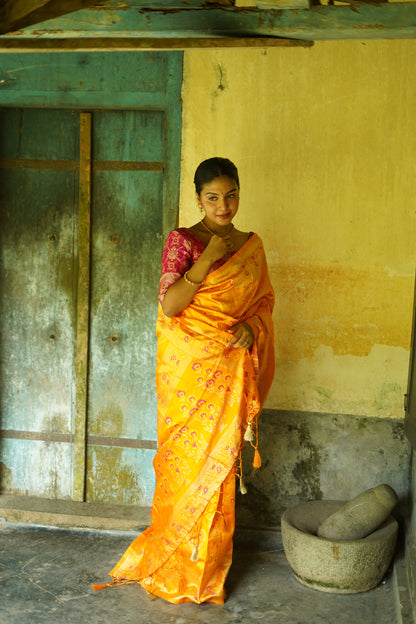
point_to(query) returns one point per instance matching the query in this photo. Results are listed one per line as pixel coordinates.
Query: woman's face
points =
(219, 200)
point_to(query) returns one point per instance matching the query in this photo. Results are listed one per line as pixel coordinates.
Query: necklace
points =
(211, 232)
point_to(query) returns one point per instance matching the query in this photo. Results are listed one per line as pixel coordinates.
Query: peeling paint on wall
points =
(107, 422)
(349, 309)
(6, 481)
(120, 476)
(368, 386)
(52, 476)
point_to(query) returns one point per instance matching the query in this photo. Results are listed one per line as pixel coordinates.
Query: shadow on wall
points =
(313, 456)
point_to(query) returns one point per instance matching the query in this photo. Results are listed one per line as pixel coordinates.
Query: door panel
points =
(38, 224)
(40, 180)
(128, 153)
(125, 273)
(38, 329)
(129, 136)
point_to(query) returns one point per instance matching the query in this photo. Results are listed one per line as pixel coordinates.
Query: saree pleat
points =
(207, 394)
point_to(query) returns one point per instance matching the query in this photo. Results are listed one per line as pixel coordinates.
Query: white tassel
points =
(151, 596)
(248, 436)
(194, 556)
(243, 488)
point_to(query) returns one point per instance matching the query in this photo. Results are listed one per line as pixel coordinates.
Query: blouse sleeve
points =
(176, 260)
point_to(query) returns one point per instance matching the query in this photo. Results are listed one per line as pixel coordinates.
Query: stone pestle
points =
(360, 516)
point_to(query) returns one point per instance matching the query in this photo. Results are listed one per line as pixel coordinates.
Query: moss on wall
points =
(311, 456)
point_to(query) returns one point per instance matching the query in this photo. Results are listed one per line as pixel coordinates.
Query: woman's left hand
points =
(243, 336)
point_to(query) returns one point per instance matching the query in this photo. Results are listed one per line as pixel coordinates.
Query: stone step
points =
(74, 515)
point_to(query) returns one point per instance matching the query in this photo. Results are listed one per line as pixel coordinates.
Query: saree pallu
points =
(207, 395)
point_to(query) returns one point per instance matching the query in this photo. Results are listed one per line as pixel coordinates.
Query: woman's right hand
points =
(217, 248)
(181, 293)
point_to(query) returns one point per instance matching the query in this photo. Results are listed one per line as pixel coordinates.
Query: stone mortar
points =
(335, 566)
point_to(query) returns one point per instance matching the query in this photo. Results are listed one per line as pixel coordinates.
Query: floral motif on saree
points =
(207, 395)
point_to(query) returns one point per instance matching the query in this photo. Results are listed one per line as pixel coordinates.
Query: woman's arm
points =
(181, 293)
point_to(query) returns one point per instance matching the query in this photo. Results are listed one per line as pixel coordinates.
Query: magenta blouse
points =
(182, 249)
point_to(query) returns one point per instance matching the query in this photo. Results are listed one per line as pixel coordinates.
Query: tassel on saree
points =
(195, 554)
(239, 474)
(98, 587)
(114, 582)
(248, 436)
(251, 437)
(151, 596)
(257, 459)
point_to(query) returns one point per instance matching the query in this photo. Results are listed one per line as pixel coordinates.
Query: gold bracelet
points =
(188, 281)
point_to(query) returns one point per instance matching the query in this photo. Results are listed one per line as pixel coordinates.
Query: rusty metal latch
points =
(4, 81)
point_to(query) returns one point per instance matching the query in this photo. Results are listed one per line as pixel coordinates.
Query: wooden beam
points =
(281, 4)
(16, 14)
(97, 44)
(201, 27)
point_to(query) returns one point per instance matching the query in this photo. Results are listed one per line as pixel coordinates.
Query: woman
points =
(215, 365)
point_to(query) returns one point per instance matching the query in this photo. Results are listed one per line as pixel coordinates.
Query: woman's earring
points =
(200, 208)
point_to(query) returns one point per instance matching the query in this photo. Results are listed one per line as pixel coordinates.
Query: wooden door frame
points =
(83, 100)
(410, 397)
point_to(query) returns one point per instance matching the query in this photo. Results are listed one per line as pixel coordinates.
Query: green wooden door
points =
(38, 182)
(127, 217)
(86, 200)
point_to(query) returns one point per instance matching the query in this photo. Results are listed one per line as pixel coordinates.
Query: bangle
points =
(188, 281)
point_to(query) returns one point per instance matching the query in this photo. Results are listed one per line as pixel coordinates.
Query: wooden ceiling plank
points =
(14, 10)
(86, 44)
(364, 21)
(17, 14)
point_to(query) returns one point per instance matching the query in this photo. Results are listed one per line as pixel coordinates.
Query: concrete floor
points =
(46, 576)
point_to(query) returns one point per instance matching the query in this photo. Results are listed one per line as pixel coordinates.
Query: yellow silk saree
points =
(209, 396)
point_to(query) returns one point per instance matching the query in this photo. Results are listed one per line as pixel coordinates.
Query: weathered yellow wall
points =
(325, 142)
